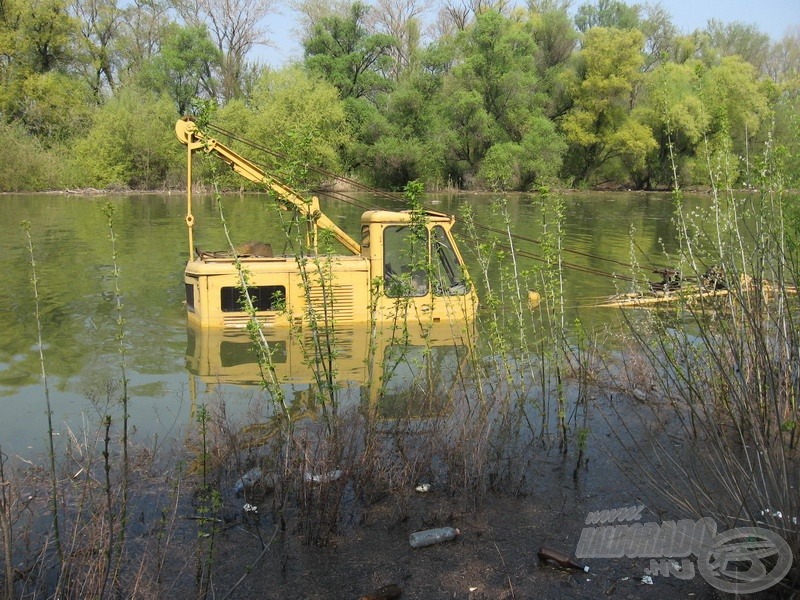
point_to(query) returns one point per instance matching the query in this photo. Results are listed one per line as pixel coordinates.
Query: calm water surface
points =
(74, 270)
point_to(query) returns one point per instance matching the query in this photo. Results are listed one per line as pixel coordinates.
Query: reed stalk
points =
(109, 548)
(209, 502)
(6, 530)
(727, 367)
(54, 494)
(110, 213)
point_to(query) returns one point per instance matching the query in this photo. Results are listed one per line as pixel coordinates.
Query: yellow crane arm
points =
(187, 132)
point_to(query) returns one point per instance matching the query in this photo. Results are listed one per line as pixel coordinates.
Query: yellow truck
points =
(406, 266)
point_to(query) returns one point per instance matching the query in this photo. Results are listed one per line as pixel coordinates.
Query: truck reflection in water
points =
(399, 372)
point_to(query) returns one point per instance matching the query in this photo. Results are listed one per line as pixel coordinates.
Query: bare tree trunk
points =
(236, 26)
(399, 18)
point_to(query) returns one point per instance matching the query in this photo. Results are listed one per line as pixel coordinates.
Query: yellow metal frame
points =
(322, 288)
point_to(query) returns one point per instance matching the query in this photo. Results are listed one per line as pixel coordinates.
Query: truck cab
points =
(406, 266)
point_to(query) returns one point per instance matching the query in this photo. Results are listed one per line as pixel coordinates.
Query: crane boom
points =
(188, 133)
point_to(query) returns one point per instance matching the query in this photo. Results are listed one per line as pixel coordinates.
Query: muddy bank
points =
(503, 526)
(494, 557)
(344, 534)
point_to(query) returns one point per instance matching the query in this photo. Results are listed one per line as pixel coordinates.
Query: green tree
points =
(737, 105)
(673, 109)
(608, 14)
(498, 62)
(599, 127)
(99, 23)
(346, 54)
(660, 36)
(39, 91)
(396, 160)
(52, 106)
(236, 27)
(536, 159)
(787, 132)
(47, 35)
(785, 70)
(400, 19)
(9, 35)
(141, 34)
(298, 115)
(24, 164)
(493, 96)
(737, 39)
(555, 38)
(183, 69)
(402, 154)
(395, 144)
(466, 133)
(131, 143)
(784, 61)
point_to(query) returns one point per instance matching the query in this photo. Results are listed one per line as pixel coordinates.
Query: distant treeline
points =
(474, 94)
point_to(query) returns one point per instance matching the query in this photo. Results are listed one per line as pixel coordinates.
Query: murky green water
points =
(74, 271)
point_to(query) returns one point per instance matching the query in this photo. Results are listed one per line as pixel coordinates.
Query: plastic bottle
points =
(247, 481)
(564, 560)
(418, 539)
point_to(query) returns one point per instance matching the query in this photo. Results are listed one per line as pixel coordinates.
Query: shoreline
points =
(90, 192)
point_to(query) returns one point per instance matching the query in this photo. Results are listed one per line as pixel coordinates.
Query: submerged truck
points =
(406, 266)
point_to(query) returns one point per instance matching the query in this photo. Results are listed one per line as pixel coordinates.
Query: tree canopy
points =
(477, 95)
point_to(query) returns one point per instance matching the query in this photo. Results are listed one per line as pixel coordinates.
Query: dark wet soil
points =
(495, 556)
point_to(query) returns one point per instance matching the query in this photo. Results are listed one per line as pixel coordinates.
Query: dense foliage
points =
(493, 97)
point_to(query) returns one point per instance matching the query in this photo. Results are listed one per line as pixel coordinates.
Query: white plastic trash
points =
(418, 539)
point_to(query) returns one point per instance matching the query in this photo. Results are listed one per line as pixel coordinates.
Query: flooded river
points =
(169, 367)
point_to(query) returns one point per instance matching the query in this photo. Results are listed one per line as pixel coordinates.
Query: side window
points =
(264, 297)
(447, 271)
(405, 262)
(190, 297)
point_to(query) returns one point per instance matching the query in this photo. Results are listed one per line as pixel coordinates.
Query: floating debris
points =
(419, 539)
(561, 559)
(423, 487)
(777, 514)
(323, 477)
(247, 481)
(534, 299)
(675, 287)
